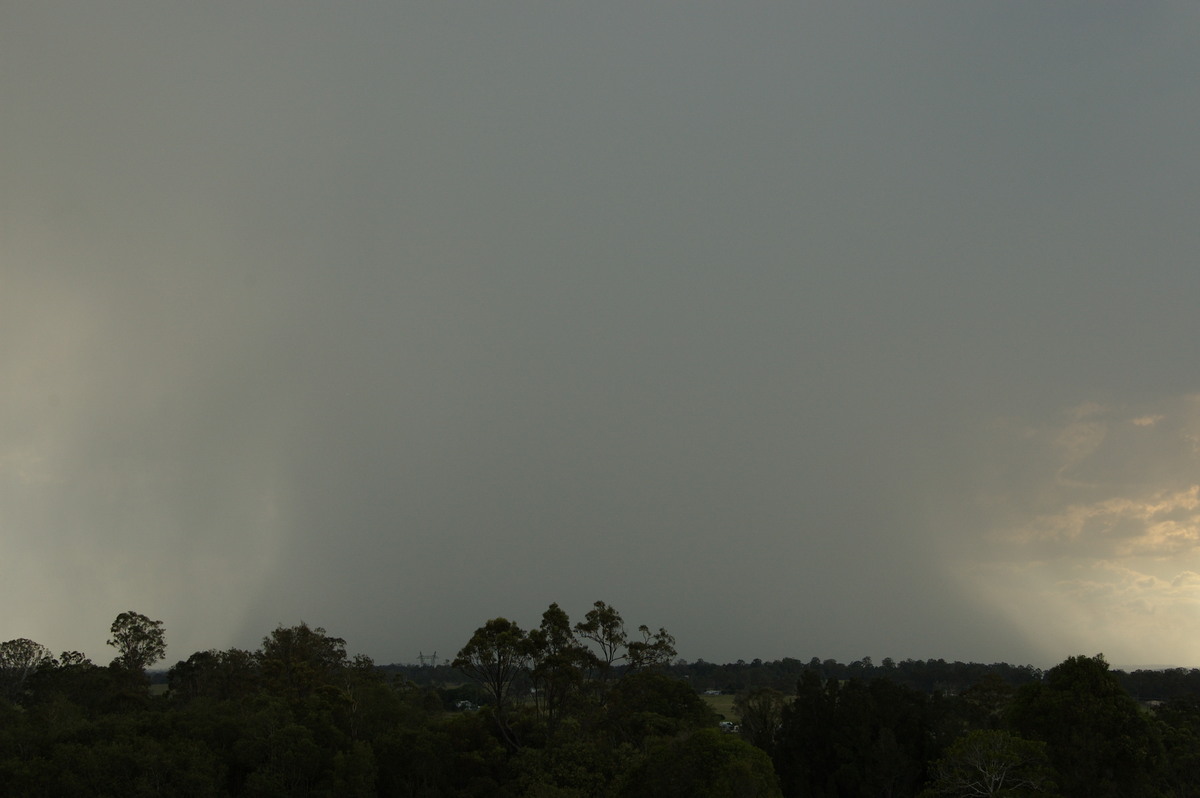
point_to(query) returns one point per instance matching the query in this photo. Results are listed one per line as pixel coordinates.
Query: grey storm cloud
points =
(833, 331)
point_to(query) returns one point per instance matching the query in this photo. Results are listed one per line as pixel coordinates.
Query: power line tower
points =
(430, 661)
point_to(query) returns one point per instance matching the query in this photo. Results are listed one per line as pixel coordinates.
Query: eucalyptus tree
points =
(604, 626)
(558, 661)
(139, 641)
(19, 659)
(991, 763)
(653, 650)
(495, 656)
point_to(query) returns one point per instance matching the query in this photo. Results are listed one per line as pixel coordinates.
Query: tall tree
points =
(558, 661)
(1098, 739)
(18, 660)
(139, 641)
(495, 656)
(991, 763)
(297, 660)
(652, 650)
(604, 626)
(761, 713)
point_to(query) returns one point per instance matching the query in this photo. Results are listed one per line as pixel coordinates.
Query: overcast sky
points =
(812, 329)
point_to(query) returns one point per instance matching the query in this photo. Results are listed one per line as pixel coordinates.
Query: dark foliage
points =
(588, 711)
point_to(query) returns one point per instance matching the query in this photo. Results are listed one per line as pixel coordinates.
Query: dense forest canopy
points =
(580, 709)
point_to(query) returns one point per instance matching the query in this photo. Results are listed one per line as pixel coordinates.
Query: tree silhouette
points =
(139, 641)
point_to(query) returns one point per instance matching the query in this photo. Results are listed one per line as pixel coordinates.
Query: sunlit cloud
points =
(1100, 541)
(1164, 522)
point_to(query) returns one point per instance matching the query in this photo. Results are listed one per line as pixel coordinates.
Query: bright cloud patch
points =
(1094, 541)
(1163, 523)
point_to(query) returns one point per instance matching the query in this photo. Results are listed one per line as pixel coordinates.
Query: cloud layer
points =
(798, 331)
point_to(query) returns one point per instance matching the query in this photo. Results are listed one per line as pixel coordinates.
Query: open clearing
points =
(723, 706)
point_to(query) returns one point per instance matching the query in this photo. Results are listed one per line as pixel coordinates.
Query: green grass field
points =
(723, 706)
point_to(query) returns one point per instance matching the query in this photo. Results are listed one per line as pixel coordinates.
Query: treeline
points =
(560, 710)
(580, 710)
(927, 676)
(1076, 732)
